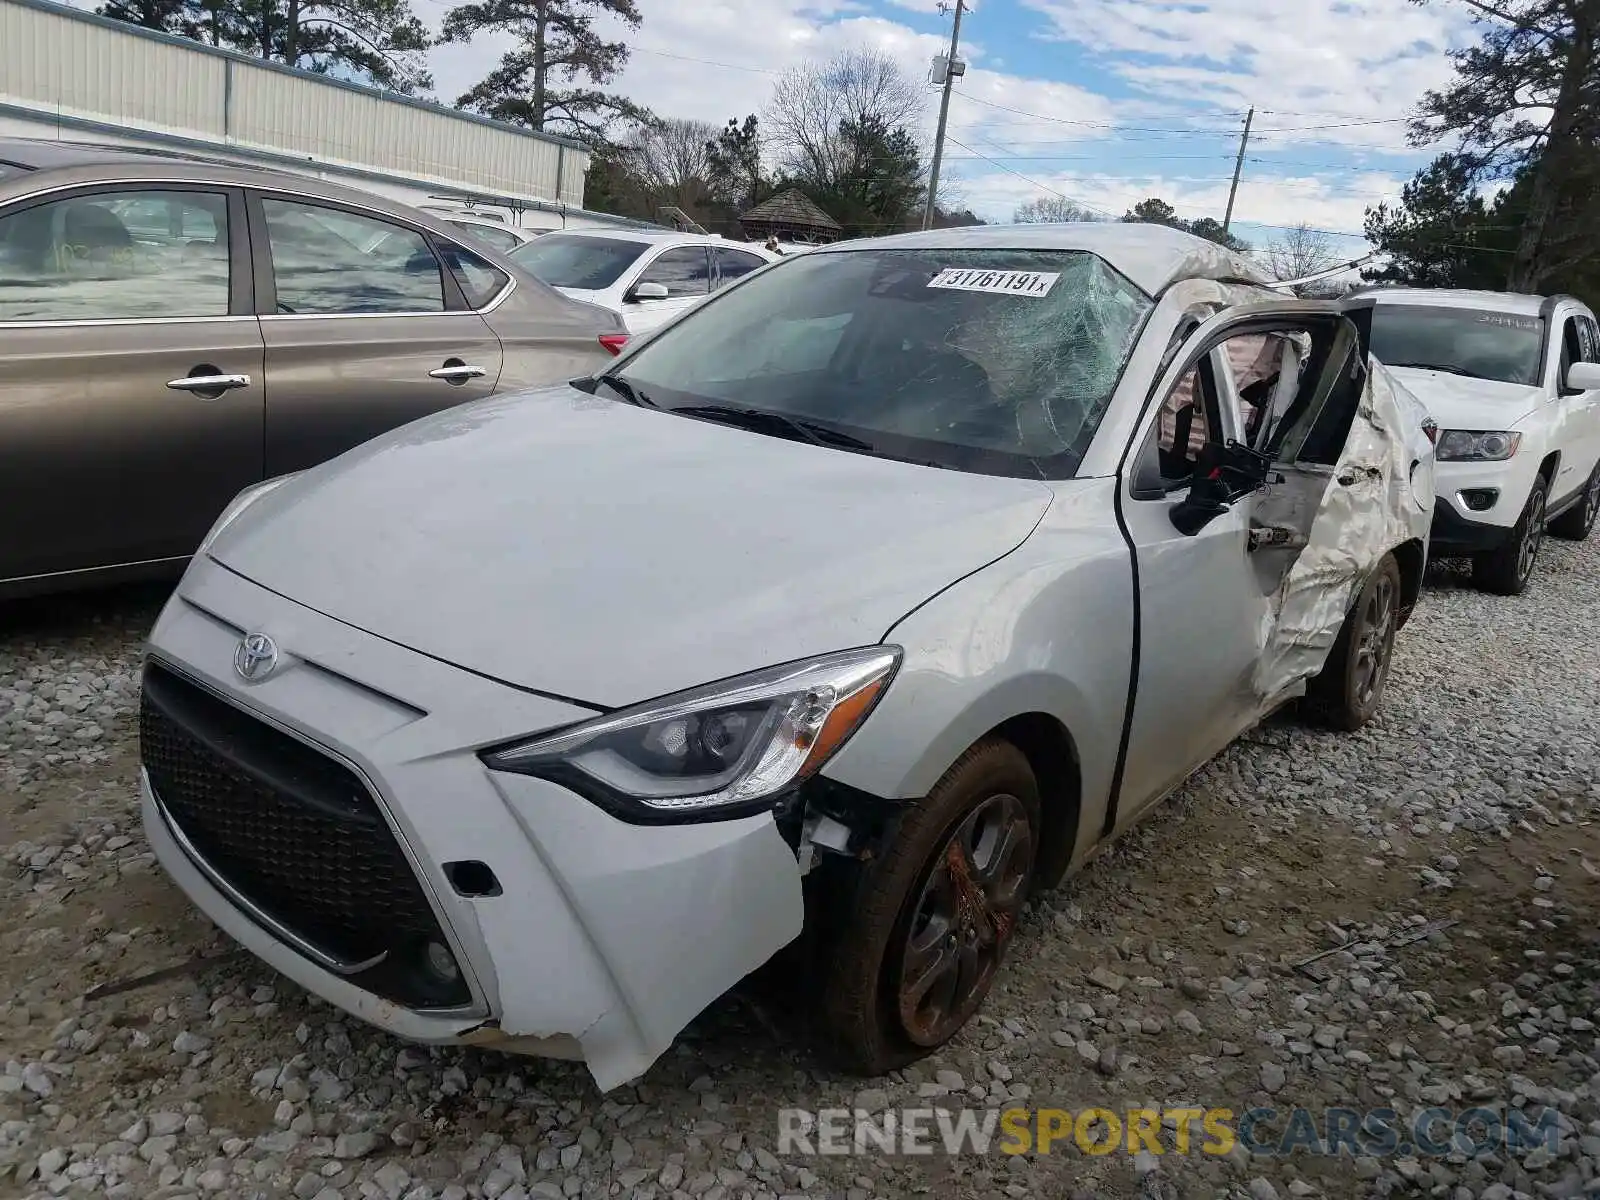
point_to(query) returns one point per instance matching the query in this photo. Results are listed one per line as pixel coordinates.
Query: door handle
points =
(459, 373)
(208, 383)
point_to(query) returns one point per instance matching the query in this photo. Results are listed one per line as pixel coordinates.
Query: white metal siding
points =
(53, 61)
(286, 112)
(83, 69)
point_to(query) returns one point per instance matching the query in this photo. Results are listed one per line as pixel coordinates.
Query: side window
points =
(1312, 412)
(480, 280)
(502, 240)
(1291, 393)
(1263, 371)
(1589, 339)
(1188, 415)
(1571, 346)
(116, 256)
(326, 260)
(683, 271)
(733, 263)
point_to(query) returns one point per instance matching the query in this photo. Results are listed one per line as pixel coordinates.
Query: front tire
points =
(1507, 570)
(1348, 692)
(917, 956)
(1577, 522)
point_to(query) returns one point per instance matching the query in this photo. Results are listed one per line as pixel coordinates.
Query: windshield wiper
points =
(626, 390)
(760, 420)
(1421, 366)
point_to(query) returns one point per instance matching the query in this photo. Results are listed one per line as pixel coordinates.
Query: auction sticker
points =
(1009, 283)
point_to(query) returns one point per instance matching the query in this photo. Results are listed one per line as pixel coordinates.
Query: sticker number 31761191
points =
(1010, 283)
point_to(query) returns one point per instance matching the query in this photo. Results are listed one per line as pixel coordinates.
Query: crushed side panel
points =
(1377, 508)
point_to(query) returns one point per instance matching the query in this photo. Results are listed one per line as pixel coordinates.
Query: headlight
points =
(724, 750)
(1460, 445)
(237, 505)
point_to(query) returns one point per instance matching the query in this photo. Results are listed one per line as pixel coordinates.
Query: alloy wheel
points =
(1374, 639)
(964, 916)
(1532, 537)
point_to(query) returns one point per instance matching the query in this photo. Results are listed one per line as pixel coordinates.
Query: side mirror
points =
(647, 291)
(1583, 377)
(1207, 500)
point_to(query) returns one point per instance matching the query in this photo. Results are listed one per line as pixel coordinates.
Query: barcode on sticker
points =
(1010, 283)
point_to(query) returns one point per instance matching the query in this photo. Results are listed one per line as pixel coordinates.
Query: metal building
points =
(67, 74)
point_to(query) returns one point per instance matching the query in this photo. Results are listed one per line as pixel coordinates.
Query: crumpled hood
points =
(1460, 402)
(610, 554)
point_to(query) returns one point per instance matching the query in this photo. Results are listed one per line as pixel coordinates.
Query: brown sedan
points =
(173, 331)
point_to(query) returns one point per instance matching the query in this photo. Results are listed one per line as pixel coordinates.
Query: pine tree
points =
(540, 84)
(1525, 106)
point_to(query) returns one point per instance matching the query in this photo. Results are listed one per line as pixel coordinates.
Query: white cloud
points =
(1302, 62)
(743, 45)
(1330, 79)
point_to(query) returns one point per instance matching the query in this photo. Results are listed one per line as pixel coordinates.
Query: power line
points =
(1189, 130)
(1101, 157)
(1041, 186)
(1339, 233)
(704, 62)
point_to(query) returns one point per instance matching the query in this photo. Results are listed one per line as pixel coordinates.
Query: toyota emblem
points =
(256, 656)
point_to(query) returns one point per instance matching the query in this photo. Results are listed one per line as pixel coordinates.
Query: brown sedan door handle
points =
(208, 383)
(456, 371)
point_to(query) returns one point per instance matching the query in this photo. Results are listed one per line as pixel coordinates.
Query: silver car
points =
(174, 330)
(871, 596)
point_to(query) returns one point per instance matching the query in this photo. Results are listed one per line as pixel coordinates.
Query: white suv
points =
(1513, 382)
(647, 278)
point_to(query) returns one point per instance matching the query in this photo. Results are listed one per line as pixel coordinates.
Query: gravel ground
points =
(1447, 855)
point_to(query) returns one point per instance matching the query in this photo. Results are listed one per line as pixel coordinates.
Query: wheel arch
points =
(1413, 560)
(1052, 754)
(1549, 465)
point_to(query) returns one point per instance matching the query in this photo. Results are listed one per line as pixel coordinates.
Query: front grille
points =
(295, 833)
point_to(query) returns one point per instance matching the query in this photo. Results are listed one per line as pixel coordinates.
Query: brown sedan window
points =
(480, 281)
(326, 260)
(116, 256)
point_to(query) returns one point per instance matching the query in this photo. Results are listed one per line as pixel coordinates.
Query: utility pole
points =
(950, 73)
(1238, 166)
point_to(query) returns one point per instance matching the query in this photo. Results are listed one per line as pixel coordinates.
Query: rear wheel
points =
(1507, 570)
(1577, 522)
(1349, 690)
(921, 950)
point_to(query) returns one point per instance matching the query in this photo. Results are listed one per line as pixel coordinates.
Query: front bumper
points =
(594, 944)
(1460, 530)
(1456, 536)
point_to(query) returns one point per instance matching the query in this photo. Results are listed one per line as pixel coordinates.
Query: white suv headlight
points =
(1462, 445)
(724, 750)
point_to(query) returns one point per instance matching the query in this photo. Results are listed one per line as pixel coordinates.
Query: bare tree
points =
(813, 104)
(671, 161)
(1302, 251)
(1051, 209)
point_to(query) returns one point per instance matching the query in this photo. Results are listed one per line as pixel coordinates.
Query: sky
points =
(1103, 101)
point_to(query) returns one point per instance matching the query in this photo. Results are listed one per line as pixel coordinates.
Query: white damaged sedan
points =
(877, 592)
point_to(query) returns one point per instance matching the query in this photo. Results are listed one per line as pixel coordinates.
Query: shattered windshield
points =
(1460, 341)
(992, 361)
